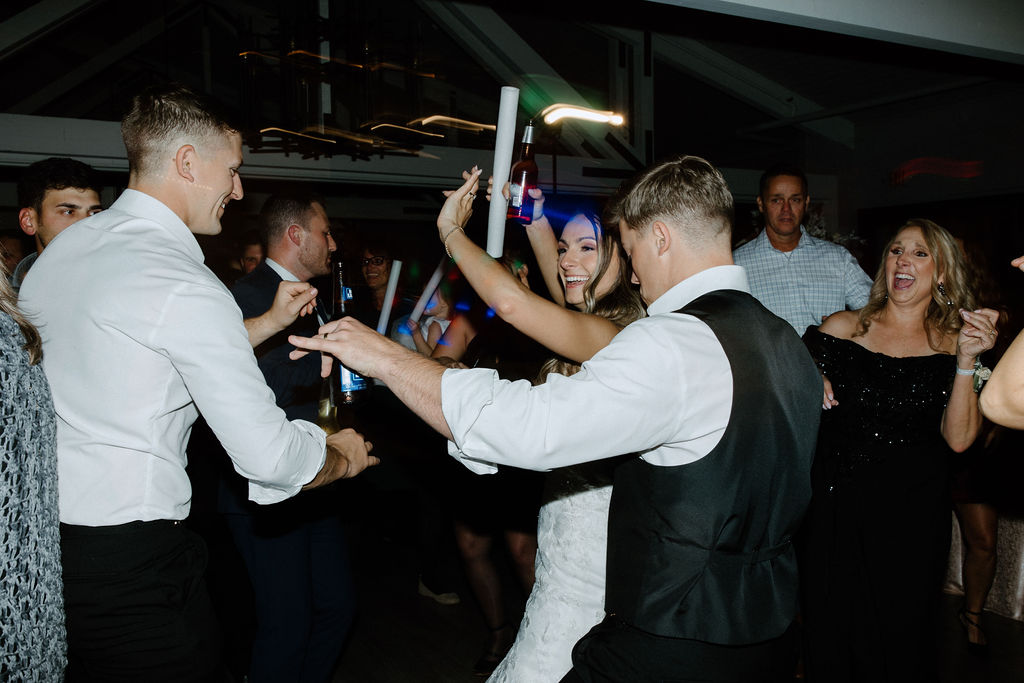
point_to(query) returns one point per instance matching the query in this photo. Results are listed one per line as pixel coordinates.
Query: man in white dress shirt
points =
(138, 338)
(717, 399)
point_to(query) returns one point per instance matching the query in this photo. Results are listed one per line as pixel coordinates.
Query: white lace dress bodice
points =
(568, 596)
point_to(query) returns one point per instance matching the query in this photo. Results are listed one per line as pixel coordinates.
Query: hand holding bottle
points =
(536, 194)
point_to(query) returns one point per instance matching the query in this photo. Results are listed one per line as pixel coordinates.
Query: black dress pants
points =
(616, 652)
(137, 606)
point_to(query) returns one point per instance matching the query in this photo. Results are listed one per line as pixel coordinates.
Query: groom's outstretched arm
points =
(413, 378)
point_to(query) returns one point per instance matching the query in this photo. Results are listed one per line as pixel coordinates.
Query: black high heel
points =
(490, 659)
(976, 649)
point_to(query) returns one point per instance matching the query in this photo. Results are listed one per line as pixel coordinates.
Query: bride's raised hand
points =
(536, 194)
(458, 205)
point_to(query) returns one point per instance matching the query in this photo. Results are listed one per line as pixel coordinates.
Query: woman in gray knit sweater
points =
(32, 640)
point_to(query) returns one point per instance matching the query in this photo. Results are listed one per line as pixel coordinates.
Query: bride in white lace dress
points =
(589, 281)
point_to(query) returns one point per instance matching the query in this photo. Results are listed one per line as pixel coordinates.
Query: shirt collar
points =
(765, 243)
(281, 270)
(710, 280)
(140, 204)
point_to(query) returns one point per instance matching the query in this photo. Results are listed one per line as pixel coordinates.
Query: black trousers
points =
(137, 605)
(614, 651)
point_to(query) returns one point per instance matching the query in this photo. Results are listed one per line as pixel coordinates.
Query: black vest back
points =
(704, 550)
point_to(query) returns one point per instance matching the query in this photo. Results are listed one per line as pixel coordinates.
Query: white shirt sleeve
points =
(203, 335)
(635, 396)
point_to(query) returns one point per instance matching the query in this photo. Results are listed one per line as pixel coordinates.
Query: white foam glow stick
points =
(501, 167)
(428, 291)
(389, 295)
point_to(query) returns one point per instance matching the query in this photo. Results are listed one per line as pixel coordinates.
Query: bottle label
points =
(350, 381)
(515, 191)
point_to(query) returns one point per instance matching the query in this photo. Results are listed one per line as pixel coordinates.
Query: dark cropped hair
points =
(282, 210)
(378, 247)
(55, 173)
(686, 190)
(164, 117)
(781, 169)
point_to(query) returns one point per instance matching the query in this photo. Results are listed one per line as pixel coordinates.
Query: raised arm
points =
(961, 421)
(292, 300)
(1002, 399)
(574, 335)
(542, 241)
(455, 340)
(545, 249)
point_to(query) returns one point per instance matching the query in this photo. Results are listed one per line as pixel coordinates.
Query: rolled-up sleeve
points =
(616, 404)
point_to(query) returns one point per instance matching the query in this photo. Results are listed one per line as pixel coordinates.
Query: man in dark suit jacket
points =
(295, 552)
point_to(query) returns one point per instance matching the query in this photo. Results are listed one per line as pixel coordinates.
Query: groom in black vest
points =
(718, 401)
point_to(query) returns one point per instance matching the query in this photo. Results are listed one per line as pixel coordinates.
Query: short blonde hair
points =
(687, 191)
(162, 116)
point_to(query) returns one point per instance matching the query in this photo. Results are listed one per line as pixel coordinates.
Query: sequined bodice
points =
(890, 409)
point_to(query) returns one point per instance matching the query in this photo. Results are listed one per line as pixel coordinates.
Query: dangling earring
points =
(942, 291)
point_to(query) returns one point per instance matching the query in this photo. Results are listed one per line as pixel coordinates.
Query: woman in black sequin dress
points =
(877, 532)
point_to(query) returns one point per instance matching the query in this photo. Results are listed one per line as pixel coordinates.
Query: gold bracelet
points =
(446, 237)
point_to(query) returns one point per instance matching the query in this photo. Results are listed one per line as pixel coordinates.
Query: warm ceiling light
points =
(346, 134)
(440, 120)
(557, 112)
(408, 130)
(254, 53)
(296, 133)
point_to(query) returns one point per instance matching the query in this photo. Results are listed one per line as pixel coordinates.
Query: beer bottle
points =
(523, 179)
(351, 387)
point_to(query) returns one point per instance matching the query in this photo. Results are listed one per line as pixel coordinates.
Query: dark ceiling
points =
(391, 62)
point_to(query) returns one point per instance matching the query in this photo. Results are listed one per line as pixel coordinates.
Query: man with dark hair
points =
(711, 401)
(796, 276)
(250, 252)
(295, 552)
(139, 337)
(53, 194)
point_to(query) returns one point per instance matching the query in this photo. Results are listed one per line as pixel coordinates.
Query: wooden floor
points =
(402, 637)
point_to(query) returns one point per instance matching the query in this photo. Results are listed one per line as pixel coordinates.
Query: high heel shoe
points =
(493, 655)
(976, 649)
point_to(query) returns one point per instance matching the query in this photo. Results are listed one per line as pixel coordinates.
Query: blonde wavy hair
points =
(942, 319)
(621, 305)
(9, 305)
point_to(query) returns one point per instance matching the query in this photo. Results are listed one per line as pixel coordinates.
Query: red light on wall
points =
(948, 168)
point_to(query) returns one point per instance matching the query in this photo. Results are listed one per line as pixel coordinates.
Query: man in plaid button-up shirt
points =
(800, 278)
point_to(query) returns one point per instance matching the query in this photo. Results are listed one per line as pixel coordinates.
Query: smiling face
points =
(216, 182)
(909, 267)
(376, 270)
(579, 259)
(59, 209)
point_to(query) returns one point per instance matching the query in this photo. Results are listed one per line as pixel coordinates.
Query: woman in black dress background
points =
(900, 396)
